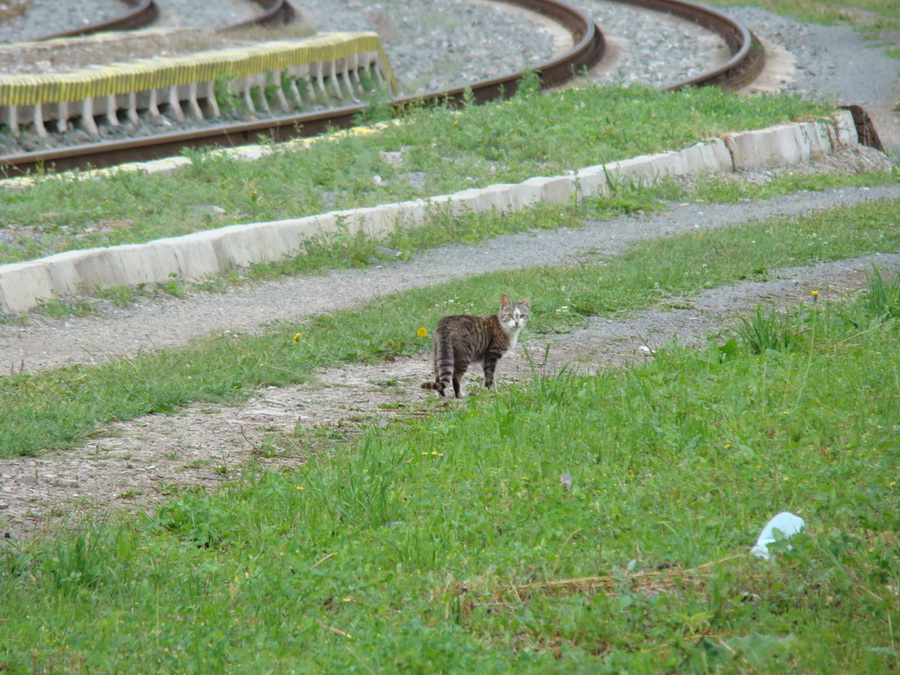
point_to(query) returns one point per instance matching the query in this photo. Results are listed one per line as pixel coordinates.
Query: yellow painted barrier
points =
(158, 73)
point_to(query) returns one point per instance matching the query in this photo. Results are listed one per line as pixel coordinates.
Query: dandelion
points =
(815, 295)
(566, 481)
(297, 337)
(422, 332)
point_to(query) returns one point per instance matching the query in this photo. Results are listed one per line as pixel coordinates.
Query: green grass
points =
(57, 409)
(432, 152)
(732, 189)
(864, 14)
(453, 543)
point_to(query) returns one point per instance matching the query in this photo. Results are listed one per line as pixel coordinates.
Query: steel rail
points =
(276, 11)
(746, 61)
(748, 57)
(144, 12)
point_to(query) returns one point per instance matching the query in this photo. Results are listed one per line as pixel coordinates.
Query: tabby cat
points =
(460, 341)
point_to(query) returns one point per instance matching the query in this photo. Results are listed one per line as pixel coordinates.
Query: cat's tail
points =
(437, 386)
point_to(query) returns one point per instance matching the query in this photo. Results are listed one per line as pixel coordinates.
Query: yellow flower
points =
(422, 332)
(297, 337)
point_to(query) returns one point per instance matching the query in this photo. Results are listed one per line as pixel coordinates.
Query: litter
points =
(786, 523)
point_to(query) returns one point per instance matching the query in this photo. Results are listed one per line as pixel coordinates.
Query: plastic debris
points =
(786, 523)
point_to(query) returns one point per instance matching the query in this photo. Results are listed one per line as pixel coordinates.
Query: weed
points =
(767, 330)
(882, 299)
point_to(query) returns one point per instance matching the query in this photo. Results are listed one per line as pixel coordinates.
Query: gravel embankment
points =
(437, 44)
(49, 17)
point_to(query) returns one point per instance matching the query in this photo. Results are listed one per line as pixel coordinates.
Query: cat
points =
(460, 341)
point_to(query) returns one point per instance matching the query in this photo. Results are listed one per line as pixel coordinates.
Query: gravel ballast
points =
(438, 44)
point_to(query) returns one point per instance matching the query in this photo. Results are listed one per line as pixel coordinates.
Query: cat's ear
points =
(527, 302)
(504, 300)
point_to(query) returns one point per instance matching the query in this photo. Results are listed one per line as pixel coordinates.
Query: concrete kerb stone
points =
(591, 182)
(148, 263)
(708, 157)
(553, 189)
(845, 128)
(290, 234)
(240, 245)
(84, 271)
(201, 254)
(195, 253)
(788, 143)
(640, 171)
(23, 285)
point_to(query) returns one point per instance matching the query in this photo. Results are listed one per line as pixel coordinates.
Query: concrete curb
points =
(24, 285)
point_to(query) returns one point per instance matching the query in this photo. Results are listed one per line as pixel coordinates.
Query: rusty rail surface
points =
(748, 57)
(746, 61)
(144, 12)
(276, 11)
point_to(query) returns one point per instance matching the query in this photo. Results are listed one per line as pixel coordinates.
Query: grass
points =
(433, 152)
(569, 525)
(57, 409)
(878, 16)
(454, 542)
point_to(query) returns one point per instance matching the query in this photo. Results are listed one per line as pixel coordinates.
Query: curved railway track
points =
(143, 13)
(746, 61)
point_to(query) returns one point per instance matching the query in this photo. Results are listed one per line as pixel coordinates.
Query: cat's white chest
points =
(513, 334)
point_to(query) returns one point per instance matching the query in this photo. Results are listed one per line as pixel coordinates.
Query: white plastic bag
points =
(786, 523)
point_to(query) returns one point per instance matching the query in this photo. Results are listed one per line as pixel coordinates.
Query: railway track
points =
(142, 13)
(747, 59)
